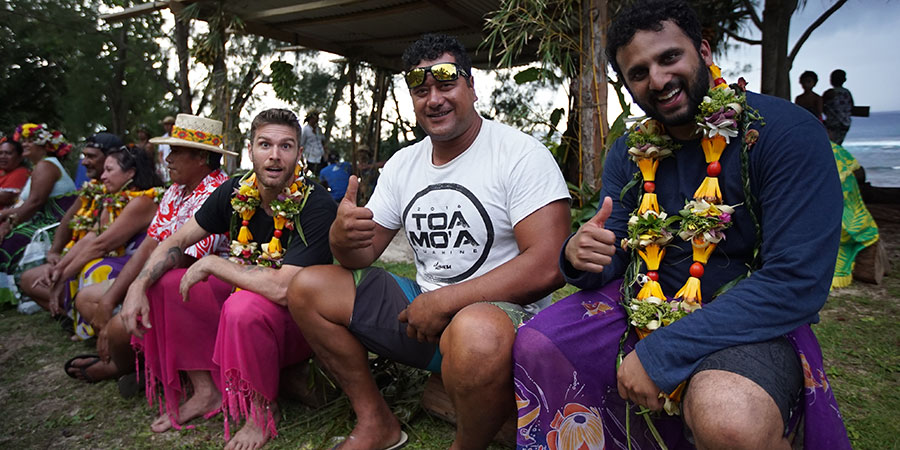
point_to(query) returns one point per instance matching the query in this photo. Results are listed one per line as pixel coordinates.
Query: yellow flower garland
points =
(94, 198)
(285, 208)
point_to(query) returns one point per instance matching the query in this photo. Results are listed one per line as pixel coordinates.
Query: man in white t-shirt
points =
(485, 210)
(313, 142)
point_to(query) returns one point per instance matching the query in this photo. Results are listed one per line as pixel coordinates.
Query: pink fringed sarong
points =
(243, 340)
(182, 337)
(256, 339)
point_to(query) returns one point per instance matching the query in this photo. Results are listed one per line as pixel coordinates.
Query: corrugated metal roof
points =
(376, 31)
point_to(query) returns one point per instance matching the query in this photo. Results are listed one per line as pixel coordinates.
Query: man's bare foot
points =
(251, 436)
(162, 423)
(200, 404)
(383, 432)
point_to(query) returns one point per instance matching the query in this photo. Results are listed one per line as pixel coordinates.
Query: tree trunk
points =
(235, 139)
(182, 31)
(592, 90)
(118, 106)
(221, 102)
(335, 99)
(569, 143)
(776, 25)
(372, 136)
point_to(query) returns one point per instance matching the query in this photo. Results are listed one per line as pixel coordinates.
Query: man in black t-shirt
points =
(232, 351)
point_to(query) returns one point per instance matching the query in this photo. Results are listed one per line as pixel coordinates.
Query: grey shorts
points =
(380, 296)
(773, 365)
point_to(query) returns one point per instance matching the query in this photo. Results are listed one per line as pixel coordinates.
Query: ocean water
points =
(875, 142)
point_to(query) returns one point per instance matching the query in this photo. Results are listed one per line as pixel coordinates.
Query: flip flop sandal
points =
(404, 439)
(70, 364)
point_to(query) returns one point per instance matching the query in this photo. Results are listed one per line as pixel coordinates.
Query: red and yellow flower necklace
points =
(84, 220)
(286, 209)
(702, 221)
(94, 198)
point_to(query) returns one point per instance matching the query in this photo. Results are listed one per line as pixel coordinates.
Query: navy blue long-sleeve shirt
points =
(799, 202)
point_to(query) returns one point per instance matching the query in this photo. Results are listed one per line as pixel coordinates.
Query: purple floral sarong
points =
(566, 390)
(96, 271)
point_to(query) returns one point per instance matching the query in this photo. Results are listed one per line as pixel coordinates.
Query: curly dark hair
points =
(809, 75)
(649, 15)
(432, 46)
(838, 77)
(145, 176)
(275, 116)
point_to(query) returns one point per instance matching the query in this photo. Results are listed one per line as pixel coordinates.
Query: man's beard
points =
(695, 93)
(281, 183)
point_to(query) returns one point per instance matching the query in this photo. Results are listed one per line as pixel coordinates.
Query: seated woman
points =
(81, 216)
(13, 172)
(43, 201)
(95, 260)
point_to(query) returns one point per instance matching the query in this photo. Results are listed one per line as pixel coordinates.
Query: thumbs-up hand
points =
(593, 246)
(353, 227)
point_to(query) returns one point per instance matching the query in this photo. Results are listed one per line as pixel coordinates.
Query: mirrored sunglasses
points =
(441, 72)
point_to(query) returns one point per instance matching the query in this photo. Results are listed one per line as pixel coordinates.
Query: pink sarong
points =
(257, 338)
(242, 339)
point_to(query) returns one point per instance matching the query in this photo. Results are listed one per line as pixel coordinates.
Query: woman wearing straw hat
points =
(195, 172)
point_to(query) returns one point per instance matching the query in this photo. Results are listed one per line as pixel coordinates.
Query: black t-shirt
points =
(216, 214)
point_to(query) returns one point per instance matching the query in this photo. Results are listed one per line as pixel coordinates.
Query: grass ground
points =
(42, 408)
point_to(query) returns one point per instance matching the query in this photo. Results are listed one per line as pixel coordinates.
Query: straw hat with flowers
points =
(195, 132)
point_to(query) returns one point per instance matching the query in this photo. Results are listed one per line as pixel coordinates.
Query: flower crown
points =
(42, 135)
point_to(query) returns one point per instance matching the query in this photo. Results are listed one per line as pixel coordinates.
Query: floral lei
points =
(116, 202)
(723, 115)
(94, 197)
(285, 209)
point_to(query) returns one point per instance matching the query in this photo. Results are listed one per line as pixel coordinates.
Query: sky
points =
(861, 38)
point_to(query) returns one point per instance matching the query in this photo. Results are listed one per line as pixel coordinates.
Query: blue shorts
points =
(380, 297)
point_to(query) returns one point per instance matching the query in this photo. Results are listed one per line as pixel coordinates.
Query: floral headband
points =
(41, 135)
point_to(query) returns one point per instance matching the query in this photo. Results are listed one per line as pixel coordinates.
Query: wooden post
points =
(592, 91)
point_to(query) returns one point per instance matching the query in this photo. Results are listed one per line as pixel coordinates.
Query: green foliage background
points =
(60, 62)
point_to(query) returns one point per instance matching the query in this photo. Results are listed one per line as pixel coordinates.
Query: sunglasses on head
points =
(441, 72)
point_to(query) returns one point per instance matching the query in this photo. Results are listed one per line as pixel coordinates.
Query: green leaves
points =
(528, 75)
(555, 116)
(284, 81)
